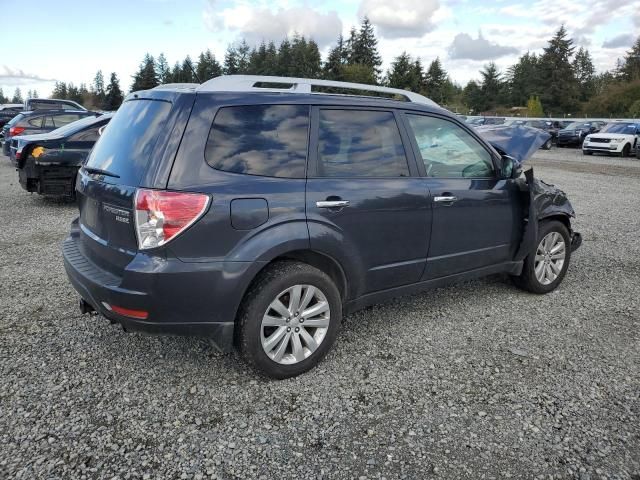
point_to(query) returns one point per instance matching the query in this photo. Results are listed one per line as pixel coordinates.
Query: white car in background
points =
(620, 138)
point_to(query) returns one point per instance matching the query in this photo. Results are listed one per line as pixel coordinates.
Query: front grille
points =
(600, 140)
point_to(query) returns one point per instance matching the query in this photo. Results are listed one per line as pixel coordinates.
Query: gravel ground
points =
(475, 381)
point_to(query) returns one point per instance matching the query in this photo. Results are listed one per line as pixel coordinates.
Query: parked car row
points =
(47, 140)
(621, 138)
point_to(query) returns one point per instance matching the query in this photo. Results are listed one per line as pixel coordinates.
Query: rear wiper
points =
(99, 171)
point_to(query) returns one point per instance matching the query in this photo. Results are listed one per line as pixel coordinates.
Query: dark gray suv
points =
(257, 211)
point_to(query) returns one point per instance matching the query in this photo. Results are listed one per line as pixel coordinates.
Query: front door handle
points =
(445, 199)
(332, 204)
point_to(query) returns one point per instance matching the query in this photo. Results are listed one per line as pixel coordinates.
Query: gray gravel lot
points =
(475, 381)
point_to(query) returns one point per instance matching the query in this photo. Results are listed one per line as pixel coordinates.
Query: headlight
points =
(616, 140)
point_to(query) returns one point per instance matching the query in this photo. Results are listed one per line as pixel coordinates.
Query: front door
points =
(477, 218)
(365, 200)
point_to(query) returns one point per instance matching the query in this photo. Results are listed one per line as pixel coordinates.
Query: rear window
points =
(126, 146)
(267, 140)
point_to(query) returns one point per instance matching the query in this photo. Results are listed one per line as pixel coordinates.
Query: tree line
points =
(559, 81)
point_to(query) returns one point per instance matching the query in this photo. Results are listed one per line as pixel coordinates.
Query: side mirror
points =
(510, 167)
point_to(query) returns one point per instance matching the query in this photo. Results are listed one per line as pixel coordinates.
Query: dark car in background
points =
(50, 104)
(574, 133)
(7, 112)
(48, 163)
(39, 121)
(482, 121)
(261, 215)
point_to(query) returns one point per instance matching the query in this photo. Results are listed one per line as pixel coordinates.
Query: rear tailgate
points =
(125, 152)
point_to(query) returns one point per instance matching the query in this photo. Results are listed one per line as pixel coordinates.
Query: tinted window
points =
(269, 140)
(61, 120)
(125, 147)
(48, 122)
(87, 135)
(354, 143)
(35, 122)
(449, 151)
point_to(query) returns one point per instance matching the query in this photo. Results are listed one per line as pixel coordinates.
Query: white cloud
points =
(10, 76)
(259, 22)
(402, 18)
(465, 47)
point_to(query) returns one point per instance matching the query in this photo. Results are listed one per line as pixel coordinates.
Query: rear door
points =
(105, 201)
(476, 215)
(366, 204)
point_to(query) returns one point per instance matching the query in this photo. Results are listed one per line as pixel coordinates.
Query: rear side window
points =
(62, 120)
(267, 140)
(35, 122)
(125, 147)
(353, 143)
(86, 135)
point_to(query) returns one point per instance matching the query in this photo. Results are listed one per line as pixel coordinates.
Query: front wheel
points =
(289, 319)
(626, 150)
(545, 267)
(547, 145)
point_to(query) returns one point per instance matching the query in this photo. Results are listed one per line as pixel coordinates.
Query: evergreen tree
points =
(630, 69)
(145, 78)
(285, 64)
(231, 61)
(560, 90)
(35, 93)
(208, 67)
(114, 96)
(522, 79)
(3, 99)
(336, 60)
(364, 49)
(17, 96)
(305, 60)
(271, 60)
(244, 50)
(176, 73)
(59, 91)
(258, 60)
(584, 73)
(435, 82)
(490, 87)
(98, 90)
(163, 71)
(186, 71)
(405, 73)
(473, 97)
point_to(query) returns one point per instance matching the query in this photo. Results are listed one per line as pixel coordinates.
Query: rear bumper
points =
(199, 299)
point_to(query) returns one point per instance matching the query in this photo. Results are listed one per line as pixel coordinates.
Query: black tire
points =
(267, 287)
(527, 280)
(626, 151)
(547, 145)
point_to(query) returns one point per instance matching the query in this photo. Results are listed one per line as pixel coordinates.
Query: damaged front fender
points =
(543, 201)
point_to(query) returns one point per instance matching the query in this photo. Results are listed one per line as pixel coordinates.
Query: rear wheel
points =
(289, 319)
(545, 267)
(547, 145)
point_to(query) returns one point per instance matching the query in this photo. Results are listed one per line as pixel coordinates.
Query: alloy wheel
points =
(295, 324)
(550, 258)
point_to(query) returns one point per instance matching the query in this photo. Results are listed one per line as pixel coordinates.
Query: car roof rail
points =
(173, 86)
(250, 83)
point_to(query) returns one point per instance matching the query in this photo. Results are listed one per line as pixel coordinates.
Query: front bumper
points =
(569, 140)
(576, 240)
(198, 299)
(47, 179)
(602, 147)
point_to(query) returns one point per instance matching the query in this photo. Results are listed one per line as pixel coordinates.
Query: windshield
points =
(578, 126)
(628, 128)
(74, 127)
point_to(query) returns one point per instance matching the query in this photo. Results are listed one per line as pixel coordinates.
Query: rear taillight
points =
(161, 215)
(13, 131)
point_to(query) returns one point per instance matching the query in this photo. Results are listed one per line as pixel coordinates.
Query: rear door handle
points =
(445, 199)
(332, 204)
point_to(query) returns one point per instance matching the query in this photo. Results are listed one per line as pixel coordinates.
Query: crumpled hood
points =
(550, 200)
(517, 141)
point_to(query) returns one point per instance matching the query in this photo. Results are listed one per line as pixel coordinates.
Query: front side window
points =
(448, 151)
(360, 143)
(266, 140)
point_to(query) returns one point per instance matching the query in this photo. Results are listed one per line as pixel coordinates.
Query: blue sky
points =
(70, 40)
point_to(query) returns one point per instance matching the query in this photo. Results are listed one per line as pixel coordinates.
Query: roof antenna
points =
(194, 73)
